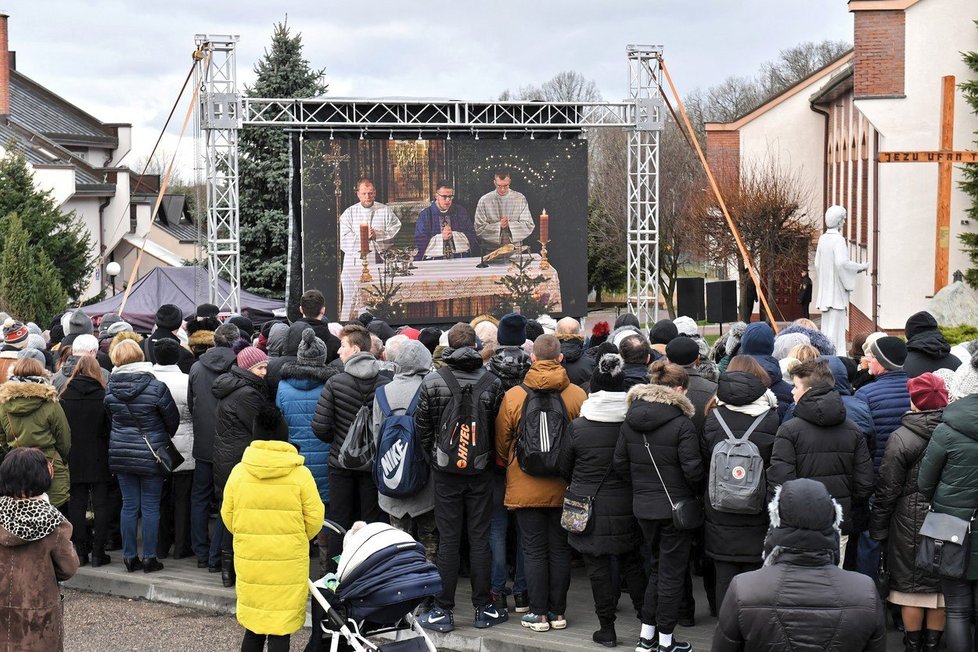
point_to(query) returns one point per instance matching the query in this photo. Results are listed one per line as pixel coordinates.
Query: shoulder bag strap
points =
(648, 450)
(142, 434)
(606, 474)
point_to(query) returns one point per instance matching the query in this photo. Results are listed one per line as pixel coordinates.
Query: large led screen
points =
(434, 231)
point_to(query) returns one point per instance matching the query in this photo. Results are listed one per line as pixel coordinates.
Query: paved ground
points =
(204, 621)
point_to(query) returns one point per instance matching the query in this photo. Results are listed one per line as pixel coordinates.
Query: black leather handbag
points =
(167, 457)
(944, 545)
(687, 514)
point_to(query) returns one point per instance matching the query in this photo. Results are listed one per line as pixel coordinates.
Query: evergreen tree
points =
(61, 236)
(263, 166)
(970, 171)
(607, 264)
(29, 283)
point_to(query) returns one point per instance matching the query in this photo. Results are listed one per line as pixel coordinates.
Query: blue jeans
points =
(867, 555)
(201, 496)
(497, 542)
(140, 495)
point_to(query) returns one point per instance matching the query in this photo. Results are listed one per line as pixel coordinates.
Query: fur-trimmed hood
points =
(294, 370)
(124, 335)
(660, 394)
(805, 524)
(22, 398)
(652, 406)
(200, 340)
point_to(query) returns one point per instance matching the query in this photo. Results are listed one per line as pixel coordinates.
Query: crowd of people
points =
(793, 479)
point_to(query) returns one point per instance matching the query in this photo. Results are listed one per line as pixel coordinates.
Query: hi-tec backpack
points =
(400, 469)
(541, 432)
(737, 482)
(464, 443)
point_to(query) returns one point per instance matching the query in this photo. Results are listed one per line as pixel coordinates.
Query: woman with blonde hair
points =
(144, 419)
(83, 401)
(30, 416)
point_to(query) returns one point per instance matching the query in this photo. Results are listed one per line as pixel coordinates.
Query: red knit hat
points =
(410, 333)
(250, 356)
(15, 334)
(927, 392)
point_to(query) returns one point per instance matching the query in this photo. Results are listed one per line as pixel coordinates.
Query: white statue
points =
(836, 278)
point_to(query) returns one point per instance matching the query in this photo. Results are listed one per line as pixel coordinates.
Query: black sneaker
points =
(646, 645)
(488, 615)
(498, 601)
(522, 601)
(677, 646)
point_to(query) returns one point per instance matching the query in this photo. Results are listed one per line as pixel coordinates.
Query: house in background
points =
(82, 161)
(830, 127)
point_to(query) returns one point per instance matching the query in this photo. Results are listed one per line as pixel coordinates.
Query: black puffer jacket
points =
(201, 400)
(803, 603)
(822, 444)
(343, 396)
(139, 406)
(466, 365)
(586, 458)
(660, 416)
(635, 374)
(186, 360)
(738, 537)
(510, 363)
(899, 508)
(240, 396)
(578, 366)
(700, 392)
(928, 351)
(83, 401)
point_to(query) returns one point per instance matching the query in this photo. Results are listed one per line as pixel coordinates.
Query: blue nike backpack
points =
(400, 469)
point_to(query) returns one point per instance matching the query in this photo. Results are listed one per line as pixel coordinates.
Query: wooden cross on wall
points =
(945, 157)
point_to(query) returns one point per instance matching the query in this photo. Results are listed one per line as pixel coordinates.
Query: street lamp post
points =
(113, 269)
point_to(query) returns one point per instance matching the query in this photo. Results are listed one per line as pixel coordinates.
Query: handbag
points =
(167, 457)
(687, 514)
(944, 545)
(576, 514)
(882, 578)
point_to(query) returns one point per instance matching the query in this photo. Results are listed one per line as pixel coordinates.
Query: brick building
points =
(884, 95)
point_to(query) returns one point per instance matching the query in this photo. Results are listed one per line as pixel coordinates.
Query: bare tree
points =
(566, 86)
(795, 63)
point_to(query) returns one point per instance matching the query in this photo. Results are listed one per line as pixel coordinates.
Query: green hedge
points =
(957, 334)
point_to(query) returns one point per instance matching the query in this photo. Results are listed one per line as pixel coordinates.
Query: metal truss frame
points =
(223, 112)
(219, 113)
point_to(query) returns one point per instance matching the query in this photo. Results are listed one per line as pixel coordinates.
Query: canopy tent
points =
(186, 287)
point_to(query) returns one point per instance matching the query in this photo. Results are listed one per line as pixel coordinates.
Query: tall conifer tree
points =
(970, 182)
(263, 165)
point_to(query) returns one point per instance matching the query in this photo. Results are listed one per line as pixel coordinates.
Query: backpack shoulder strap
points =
(723, 424)
(385, 406)
(757, 422)
(747, 433)
(483, 383)
(414, 403)
(450, 380)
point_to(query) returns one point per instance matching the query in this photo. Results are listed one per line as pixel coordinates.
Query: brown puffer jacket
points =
(35, 554)
(524, 490)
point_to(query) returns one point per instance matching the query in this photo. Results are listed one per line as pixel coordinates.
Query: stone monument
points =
(836, 276)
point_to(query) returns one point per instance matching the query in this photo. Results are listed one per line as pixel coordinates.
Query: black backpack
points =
(541, 432)
(464, 442)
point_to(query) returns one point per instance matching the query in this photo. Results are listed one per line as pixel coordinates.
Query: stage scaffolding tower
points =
(644, 77)
(219, 112)
(222, 111)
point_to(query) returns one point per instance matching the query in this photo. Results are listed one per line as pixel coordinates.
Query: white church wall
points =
(936, 33)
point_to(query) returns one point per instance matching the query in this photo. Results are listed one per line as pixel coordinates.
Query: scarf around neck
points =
(605, 407)
(759, 406)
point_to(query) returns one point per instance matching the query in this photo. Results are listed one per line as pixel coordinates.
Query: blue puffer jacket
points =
(758, 342)
(139, 405)
(888, 399)
(297, 395)
(856, 408)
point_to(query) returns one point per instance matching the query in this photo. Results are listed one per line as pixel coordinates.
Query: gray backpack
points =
(737, 483)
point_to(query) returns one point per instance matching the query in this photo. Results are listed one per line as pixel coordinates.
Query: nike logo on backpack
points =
(393, 461)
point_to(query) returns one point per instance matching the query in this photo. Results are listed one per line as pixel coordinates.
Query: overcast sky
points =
(125, 61)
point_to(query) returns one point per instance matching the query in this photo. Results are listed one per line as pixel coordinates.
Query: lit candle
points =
(544, 226)
(364, 240)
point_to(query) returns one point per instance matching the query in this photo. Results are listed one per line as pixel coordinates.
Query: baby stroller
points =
(383, 576)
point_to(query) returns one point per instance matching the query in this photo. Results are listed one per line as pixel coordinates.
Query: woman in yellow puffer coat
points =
(272, 507)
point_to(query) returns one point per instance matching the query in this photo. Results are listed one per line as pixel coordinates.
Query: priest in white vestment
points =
(502, 216)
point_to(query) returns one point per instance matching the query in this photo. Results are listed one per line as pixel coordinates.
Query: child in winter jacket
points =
(272, 508)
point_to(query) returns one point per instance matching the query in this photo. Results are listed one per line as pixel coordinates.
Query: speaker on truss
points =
(689, 298)
(721, 302)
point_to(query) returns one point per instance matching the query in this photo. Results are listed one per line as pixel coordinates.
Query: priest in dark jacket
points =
(801, 600)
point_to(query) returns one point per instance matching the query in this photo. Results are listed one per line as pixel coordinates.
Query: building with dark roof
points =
(82, 162)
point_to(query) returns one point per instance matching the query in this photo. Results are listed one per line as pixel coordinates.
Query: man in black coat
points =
(927, 350)
(685, 352)
(203, 408)
(353, 494)
(801, 599)
(169, 319)
(822, 444)
(312, 305)
(462, 502)
(578, 366)
(805, 293)
(636, 351)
